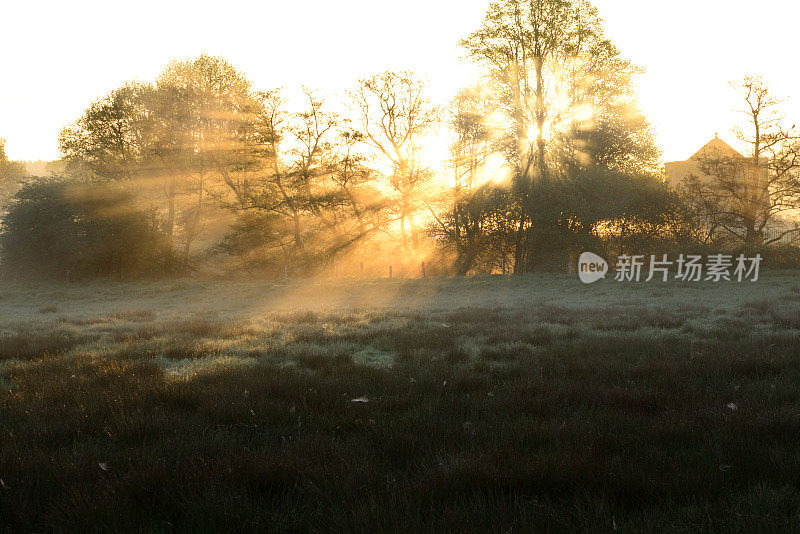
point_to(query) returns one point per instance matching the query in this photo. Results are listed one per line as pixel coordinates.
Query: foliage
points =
(201, 144)
(10, 173)
(550, 156)
(312, 199)
(782, 256)
(172, 142)
(568, 126)
(68, 229)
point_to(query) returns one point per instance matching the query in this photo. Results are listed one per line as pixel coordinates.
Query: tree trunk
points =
(414, 231)
(194, 230)
(521, 247)
(298, 239)
(466, 260)
(170, 223)
(540, 119)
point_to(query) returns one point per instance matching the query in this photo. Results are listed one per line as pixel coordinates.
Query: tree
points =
(467, 220)
(554, 72)
(59, 227)
(212, 131)
(109, 141)
(741, 197)
(196, 129)
(363, 204)
(10, 174)
(395, 118)
(311, 198)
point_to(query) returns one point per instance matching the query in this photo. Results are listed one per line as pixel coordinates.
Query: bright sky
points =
(60, 56)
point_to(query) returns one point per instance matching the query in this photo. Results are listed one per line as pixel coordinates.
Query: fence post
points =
(390, 270)
(423, 269)
(362, 270)
(285, 271)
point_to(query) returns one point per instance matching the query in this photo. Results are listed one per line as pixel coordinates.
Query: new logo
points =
(591, 268)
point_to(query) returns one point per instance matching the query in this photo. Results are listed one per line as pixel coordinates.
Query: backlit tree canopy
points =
(549, 155)
(565, 115)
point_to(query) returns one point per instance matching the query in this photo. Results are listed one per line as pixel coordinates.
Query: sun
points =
(532, 133)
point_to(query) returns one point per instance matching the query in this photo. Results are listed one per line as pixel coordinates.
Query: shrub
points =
(783, 256)
(58, 227)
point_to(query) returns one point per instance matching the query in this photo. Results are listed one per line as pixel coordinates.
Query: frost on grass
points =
(377, 323)
(183, 369)
(372, 357)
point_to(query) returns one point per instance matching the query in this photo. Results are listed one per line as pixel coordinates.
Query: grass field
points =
(488, 404)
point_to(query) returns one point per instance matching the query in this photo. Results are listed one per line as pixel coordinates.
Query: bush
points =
(782, 256)
(58, 228)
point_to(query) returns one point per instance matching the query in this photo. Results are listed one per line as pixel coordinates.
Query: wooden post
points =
(285, 271)
(423, 269)
(362, 270)
(390, 270)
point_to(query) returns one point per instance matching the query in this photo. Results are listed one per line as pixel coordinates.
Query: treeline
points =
(11, 172)
(547, 157)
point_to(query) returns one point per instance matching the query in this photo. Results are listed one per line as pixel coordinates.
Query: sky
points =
(59, 57)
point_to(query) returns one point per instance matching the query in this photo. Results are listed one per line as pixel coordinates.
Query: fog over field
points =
(48, 303)
(179, 322)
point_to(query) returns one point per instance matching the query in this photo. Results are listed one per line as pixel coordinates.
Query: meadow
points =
(498, 404)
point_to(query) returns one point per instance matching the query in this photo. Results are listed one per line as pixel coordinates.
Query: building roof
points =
(714, 149)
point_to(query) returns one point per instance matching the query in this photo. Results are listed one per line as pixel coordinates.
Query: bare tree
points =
(396, 116)
(745, 196)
